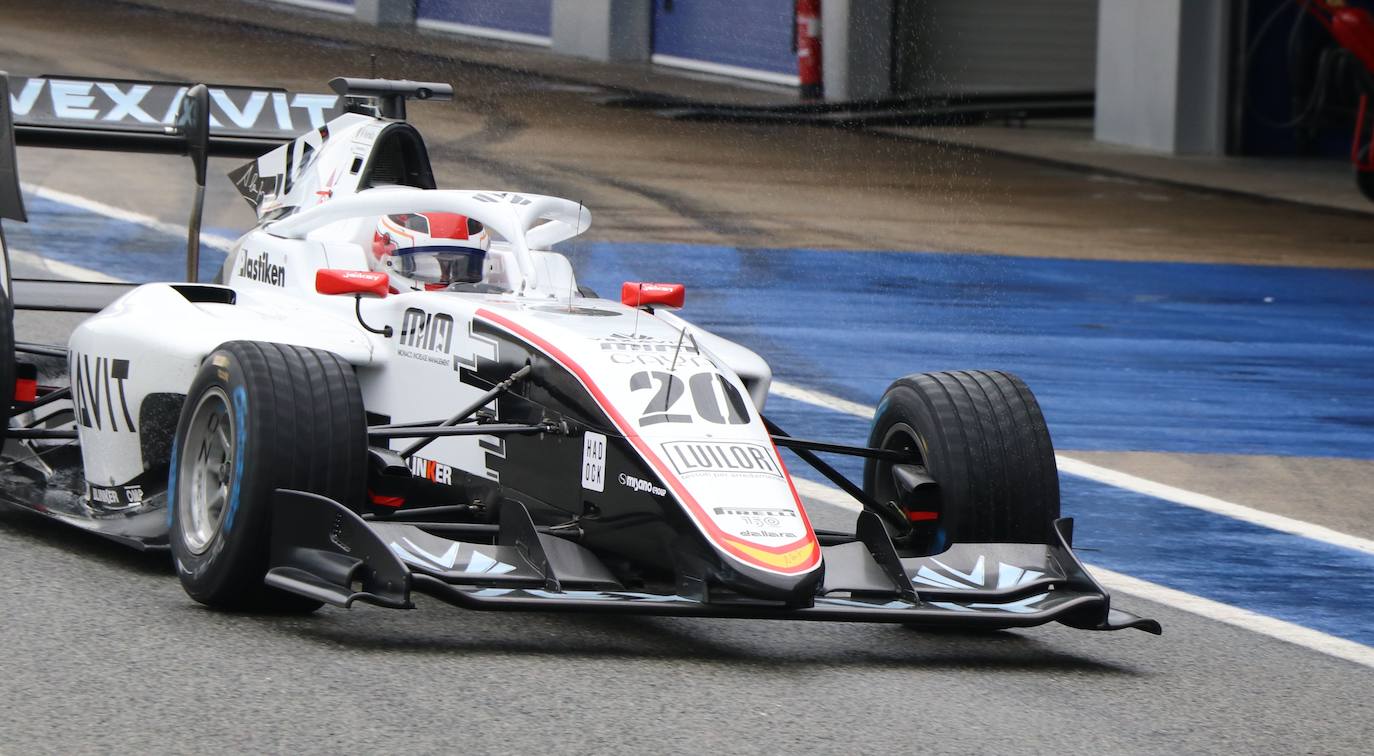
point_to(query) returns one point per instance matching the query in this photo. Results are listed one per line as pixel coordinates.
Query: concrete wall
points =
(856, 48)
(385, 12)
(603, 29)
(1161, 75)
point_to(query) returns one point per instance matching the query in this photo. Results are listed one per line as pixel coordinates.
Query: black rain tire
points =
(7, 359)
(983, 439)
(297, 422)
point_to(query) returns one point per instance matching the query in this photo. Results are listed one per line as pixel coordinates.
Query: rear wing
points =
(141, 116)
(199, 120)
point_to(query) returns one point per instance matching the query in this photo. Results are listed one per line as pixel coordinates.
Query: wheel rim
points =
(205, 470)
(902, 437)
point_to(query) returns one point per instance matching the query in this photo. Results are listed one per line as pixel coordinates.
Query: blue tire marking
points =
(240, 442)
(172, 485)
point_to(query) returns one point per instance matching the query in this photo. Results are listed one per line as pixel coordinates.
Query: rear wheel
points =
(982, 467)
(7, 359)
(258, 417)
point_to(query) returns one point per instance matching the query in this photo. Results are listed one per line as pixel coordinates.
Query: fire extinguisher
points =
(807, 40)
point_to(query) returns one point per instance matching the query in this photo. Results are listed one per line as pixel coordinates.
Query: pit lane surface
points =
(104, 651)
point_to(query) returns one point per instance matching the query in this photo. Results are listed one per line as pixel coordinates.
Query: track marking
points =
(1278, 629)
(214, 241)
(1244, 619)
(1116, 479)
(1288, 632)
(1212, 504)
(61, 269)
(1224, 613)
(810, 489)
(820, 399)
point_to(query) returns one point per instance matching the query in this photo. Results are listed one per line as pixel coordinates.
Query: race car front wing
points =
(324, 551)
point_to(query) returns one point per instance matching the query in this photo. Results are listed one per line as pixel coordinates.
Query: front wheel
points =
(258, 417)
(980, 437)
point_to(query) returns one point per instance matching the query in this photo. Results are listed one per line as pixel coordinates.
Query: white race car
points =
(394, 388)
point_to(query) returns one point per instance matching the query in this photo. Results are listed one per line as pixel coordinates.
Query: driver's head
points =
(429, 251)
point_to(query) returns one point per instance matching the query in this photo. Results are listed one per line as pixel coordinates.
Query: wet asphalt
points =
(101, 651)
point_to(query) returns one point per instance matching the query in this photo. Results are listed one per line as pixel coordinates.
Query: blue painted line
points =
(1124, 356)
(113, 247)
(1171, 357)
(1297, 579)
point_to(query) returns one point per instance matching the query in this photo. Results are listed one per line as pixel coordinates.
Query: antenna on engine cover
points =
(387, 97)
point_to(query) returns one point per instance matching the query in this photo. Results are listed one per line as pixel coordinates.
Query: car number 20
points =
(702, 387)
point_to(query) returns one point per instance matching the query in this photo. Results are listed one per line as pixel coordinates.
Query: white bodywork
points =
(674, 391)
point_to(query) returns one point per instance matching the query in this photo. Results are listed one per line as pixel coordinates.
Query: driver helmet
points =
(429, 251)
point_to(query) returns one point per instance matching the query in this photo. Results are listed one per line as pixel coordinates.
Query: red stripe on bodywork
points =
(713, 532)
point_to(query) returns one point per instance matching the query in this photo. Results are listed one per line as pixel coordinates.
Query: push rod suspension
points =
(835, 476)
(888, 455)
(465, 413)
(441, 431)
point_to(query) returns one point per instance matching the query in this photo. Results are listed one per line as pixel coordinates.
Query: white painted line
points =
(723, 69)
(214, 241)
(820, 399)
(59, 269)
(320, 5)
(1116, 582)
(809, 489)
(487, 32)
(1067, 465)
(1212, 504)
(1116, 479)
(1230, 615)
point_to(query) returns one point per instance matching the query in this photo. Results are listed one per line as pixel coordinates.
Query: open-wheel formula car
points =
(394, 389)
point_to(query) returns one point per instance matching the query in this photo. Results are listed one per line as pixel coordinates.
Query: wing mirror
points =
(640, 294)
(357, 283)
(333, 281)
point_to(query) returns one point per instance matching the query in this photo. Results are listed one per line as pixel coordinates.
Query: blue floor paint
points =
(1289, 577)
(1165, 357)
(67, 234)
(1124, 356)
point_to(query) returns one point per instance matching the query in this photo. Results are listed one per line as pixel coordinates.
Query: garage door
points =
(995, 46)
(750, 39)
(525, 21)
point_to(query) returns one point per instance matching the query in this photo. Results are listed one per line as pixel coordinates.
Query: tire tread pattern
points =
(985, 442)
(308, 432)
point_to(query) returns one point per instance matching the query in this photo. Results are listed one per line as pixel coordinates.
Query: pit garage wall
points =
(524, 21)
(751, 40)
(995, 46)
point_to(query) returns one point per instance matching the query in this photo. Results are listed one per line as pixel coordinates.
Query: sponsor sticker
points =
(434, 472)
(721, 458)
(427, 337)
(640, 485)
(145, 106)
(114, 497)
(594, 462)
(99, 397)
(261, 269)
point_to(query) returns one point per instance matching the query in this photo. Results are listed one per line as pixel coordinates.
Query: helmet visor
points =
(442, 264)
